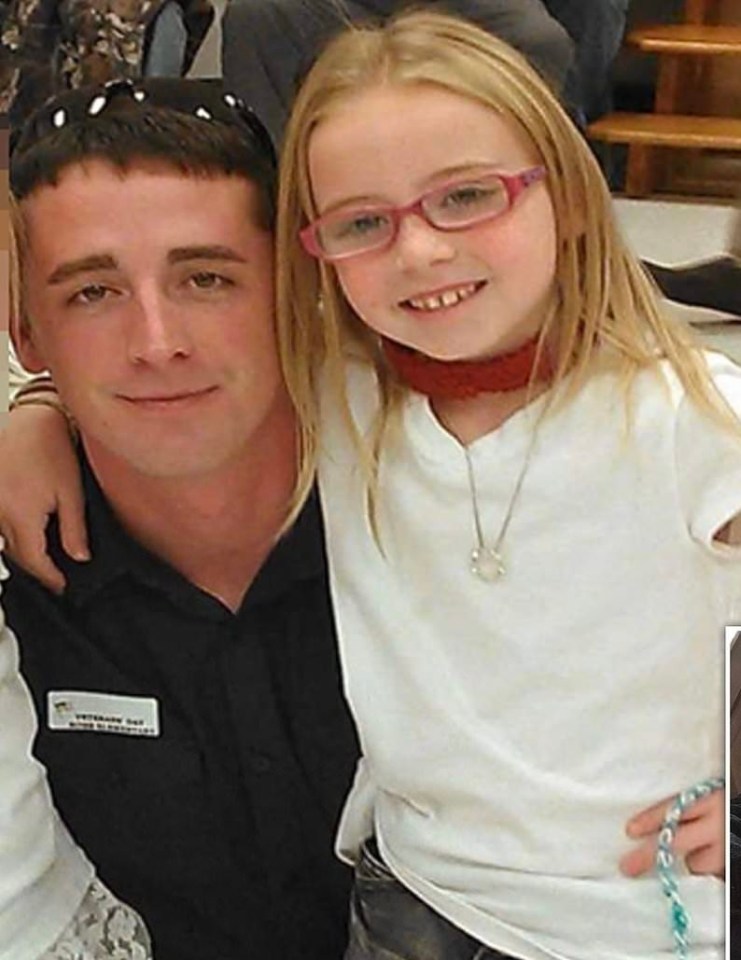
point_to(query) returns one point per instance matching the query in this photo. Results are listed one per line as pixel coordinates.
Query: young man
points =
(187, 685)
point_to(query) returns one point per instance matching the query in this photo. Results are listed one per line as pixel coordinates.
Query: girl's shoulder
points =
(658, 393)
(707, 459)
(724, 376)
(723, 372)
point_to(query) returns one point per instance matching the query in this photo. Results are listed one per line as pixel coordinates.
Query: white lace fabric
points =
(103, 928)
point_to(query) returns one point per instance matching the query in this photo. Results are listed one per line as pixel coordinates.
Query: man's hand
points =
(700, 837)
(39, 476)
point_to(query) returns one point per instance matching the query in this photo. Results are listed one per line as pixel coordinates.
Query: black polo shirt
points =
(220, 829)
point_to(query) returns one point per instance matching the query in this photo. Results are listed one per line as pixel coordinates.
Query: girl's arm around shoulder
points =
(39, 476)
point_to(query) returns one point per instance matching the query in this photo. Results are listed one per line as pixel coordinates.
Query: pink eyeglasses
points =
(454, 206)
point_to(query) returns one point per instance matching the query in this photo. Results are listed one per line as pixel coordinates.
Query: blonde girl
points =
(529, 480)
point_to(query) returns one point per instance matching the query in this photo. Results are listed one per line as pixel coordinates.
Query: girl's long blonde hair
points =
(603, 297)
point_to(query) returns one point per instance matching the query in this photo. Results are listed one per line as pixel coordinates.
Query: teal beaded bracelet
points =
(665, 859)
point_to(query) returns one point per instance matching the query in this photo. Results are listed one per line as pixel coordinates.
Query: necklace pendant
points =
(487, 564)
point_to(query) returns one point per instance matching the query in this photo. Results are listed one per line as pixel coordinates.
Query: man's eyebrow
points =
(69, 269)
(208, 252)
(104, 261)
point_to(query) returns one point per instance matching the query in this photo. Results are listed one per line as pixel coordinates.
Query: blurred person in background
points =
(50, 45)
(268, 46)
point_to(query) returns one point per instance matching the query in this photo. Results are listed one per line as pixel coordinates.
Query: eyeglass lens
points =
(453, 206)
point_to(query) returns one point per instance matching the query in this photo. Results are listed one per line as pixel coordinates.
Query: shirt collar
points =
(298, 555)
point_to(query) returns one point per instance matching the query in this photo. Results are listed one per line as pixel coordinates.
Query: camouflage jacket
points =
(52, 44)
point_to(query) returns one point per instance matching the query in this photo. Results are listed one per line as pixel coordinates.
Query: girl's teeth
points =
(447, 299)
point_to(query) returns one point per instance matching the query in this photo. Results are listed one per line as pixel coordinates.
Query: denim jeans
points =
(387, 922)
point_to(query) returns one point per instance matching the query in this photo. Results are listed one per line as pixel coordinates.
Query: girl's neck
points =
(474, 417)
(471, 398)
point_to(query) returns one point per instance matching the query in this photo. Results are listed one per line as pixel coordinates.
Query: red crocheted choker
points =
(461, 379)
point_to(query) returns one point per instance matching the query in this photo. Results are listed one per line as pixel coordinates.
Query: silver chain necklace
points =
(487, 562)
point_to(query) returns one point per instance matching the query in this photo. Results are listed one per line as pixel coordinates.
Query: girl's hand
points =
(700, 838)
(39, 476)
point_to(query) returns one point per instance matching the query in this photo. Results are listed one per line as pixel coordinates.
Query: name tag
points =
(102, 713)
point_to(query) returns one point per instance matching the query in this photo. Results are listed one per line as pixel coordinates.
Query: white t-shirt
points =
(511, 729)
(43, 874)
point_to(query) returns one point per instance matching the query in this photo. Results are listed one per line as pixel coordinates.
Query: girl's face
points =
(387, 146)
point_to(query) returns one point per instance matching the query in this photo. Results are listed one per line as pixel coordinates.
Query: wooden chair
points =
(677, 121)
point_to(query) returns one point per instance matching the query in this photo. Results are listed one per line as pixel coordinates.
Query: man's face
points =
(149, 296)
